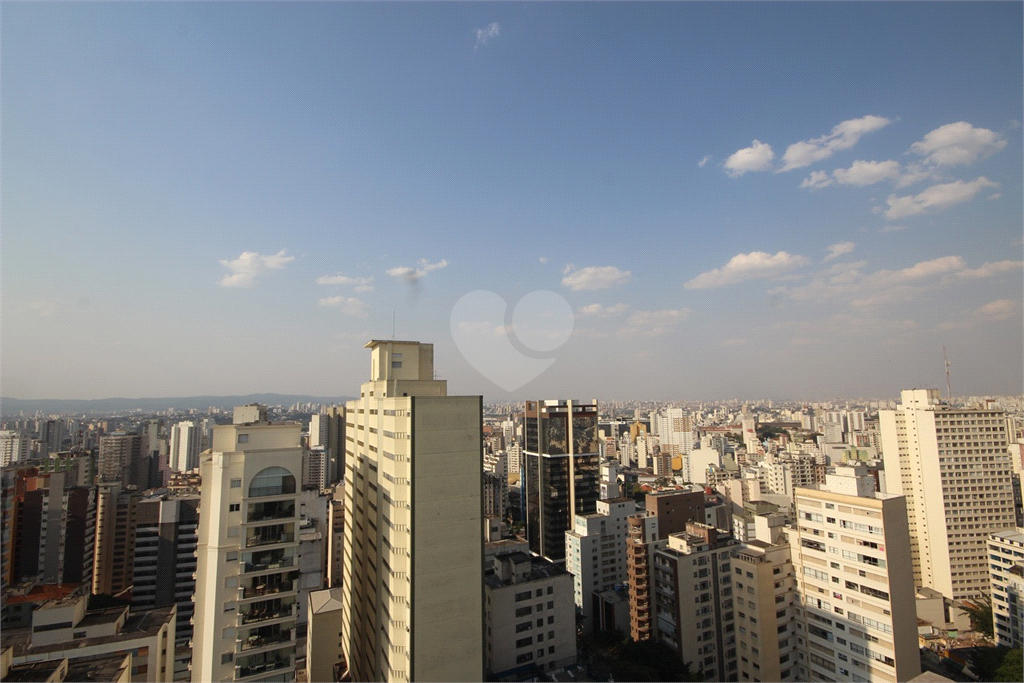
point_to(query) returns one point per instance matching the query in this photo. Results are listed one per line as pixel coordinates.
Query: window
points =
(523, 611)
(525, 626)
(243, 438)
(234, 507)
(523, 642)
(231, 556)
(551, 604)
(272, 481)
(523, 596)
(551, 620)
(227, 657)
(551, 650)
(236, 483)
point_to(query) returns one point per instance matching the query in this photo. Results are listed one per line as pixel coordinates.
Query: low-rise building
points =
(530, 615)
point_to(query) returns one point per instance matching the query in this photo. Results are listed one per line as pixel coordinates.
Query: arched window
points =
(273, 481)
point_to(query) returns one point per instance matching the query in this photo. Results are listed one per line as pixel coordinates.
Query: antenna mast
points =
(949, 393)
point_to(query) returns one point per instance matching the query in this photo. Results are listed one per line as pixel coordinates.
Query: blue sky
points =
(773, 200)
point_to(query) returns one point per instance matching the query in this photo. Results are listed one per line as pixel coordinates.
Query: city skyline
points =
(731, 205)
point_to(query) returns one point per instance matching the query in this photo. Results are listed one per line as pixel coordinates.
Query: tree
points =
(1011, 669)
(980, 611)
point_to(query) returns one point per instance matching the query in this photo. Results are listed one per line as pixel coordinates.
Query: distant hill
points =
(14, 406)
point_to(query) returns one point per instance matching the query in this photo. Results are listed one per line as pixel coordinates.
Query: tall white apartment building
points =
(954, 468)
(14, 447)
(850, 553)
(186, 440)
(1006, 566)
(246, 596)
(595, 552)
(412, 600)
(674, 429)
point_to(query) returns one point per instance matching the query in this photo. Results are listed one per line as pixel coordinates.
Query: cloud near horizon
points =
(755, 265)
(414, 275)
(837, 250)
(348, 305)
(249, 265)
(594, 277)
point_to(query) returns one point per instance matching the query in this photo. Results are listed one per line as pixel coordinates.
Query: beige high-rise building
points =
(246, 595)
(954, 468)
(765, 605)
(850, 553)
(114, 549)
(412, 598)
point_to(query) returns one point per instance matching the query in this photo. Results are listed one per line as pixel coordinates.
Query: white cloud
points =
(912, 173)
(340, 279)
(595, 277)
(958, 143)
(543, 259)
(893, 228)
(817, 180)
(651, 323)
(413, 275)
(249, 265)
(757, 157)
(936, 198)
(843, 136)
(485, 34)
(837, 250)
(602, 311)
(863, 173)
(1003, 309)
(348, 305)
(995, 195)
(756, 264)
(918, 271)
(703, 161)
(991, 269)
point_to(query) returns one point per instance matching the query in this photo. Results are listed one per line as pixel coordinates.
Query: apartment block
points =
(1006, 566)
(692, 580)
(412, 599)
(530, 616)
(765, 602)
(955, 470)
(850, 551)
(595, 554)
(246, 598)
(114, 550)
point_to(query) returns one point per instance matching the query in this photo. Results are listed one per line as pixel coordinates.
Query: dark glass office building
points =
(561, 478)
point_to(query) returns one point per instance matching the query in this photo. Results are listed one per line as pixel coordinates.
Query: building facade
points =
(412, 599)
(595, 554)
(955, 470)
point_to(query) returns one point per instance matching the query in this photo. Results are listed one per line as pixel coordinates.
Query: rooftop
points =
(143, 624)
(102, 668)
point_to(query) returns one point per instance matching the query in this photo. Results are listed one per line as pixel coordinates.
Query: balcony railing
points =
(265, 667)
(256, 540)
(265, 614)
(254, 642)
(280, 563)
(263, 589)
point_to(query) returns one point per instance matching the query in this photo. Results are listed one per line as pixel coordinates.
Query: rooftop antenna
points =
(949, 393)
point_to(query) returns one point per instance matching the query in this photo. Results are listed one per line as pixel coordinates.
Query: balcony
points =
(243, 671)
(258, 641)
(263, 612)
(271, 535)
(263, 589)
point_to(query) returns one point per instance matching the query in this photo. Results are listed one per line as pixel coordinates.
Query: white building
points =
(530, 617)
(1006, 565)
(412, 603)
(595, 552)
(954, 468)
(186, 440)
(850, 552)
(247, 555)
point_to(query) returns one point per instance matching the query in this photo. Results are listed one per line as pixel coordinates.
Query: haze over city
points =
(780, 201)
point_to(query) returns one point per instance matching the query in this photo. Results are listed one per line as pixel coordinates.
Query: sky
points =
(666, 201)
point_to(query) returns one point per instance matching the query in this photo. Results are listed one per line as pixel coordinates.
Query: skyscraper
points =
(954, 468)
(562, 476)
(412, 600)
(247, 552)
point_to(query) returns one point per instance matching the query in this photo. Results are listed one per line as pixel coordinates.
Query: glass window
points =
(273, 481)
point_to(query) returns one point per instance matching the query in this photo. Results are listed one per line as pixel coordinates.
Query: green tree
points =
(980, 611)
(1010, 669)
